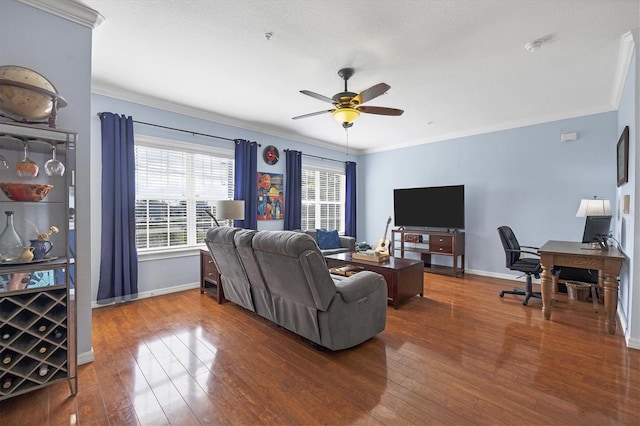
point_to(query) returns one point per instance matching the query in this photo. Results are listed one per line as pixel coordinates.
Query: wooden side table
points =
(210, 277)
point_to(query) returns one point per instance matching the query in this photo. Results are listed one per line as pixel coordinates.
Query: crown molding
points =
(627, 45)
(70, 10)
(516, 124)
(119, 93)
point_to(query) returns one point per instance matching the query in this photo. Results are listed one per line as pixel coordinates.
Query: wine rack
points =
(37, 320)
(32, 355)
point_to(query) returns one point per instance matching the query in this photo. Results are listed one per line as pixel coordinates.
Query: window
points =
(323, 198)
(174, 187)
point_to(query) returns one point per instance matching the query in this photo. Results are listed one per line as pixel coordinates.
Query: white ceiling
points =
(457, 67)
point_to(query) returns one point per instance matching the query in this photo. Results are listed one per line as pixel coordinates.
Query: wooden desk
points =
(569, 253)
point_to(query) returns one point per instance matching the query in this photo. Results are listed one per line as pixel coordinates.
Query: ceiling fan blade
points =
(370, 93)
(312, 114)
(317, 96)
(380, 110)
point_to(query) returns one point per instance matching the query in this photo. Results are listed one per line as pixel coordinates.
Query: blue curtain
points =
(350, 201)
(118, 258)
(293, 191)
(245, 182)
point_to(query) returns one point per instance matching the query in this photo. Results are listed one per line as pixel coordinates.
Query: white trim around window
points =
(175, 183)
(323, 198)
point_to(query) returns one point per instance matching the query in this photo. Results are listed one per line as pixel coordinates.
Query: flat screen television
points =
(429, 207)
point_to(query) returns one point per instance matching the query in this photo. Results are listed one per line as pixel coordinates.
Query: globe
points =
(27, 95)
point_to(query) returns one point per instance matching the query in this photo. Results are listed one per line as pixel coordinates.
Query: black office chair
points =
(528, 265)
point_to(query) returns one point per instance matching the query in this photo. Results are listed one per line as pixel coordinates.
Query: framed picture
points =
(623, 157)
(270, 196)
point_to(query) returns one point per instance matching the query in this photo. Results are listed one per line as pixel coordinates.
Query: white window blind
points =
(323, 198)
(173, 189)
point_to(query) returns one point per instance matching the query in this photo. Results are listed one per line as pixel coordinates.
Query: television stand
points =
(428, 244)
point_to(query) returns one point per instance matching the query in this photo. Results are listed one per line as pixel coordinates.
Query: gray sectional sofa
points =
(282, 276)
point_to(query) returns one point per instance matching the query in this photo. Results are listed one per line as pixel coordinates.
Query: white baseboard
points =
(633, 343)
(153, 293)
(86, 357)
(500, 276)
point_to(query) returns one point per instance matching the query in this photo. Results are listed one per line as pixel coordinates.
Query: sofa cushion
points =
(235, 283)
(328, 239)
(334, 251)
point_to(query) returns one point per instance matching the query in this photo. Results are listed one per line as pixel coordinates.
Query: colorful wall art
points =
(270, 196)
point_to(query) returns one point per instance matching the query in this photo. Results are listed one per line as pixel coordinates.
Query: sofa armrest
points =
(359, 285)
(348, 243)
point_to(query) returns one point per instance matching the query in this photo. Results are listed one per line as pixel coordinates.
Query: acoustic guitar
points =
(383, 243)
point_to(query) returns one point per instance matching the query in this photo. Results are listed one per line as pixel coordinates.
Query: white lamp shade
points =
(230, 209)
(593, 207)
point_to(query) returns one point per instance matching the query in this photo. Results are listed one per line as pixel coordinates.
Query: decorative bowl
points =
(25, 191)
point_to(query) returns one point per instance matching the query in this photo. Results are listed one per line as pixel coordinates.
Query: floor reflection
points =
(459, 355)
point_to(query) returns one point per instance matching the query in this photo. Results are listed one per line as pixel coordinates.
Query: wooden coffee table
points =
(404, 277)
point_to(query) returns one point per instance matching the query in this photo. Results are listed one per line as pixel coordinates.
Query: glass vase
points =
(11, 244)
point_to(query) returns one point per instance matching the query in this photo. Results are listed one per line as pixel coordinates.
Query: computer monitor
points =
(596, 229)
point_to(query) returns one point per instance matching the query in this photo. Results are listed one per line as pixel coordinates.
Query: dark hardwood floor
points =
(459, 356)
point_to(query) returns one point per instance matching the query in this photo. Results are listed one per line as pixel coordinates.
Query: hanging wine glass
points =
(26, 167)
(54, 167)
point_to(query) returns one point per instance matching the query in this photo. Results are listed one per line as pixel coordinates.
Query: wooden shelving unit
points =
(428, 244)
(38, 319)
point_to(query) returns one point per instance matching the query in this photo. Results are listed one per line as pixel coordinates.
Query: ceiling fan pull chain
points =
(346, 129)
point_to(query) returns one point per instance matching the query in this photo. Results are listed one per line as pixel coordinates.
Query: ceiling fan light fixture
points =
(346, 115)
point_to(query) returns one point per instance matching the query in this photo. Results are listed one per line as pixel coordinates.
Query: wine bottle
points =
(58, 334)
(43, 371)
(6, 335)
(6, 359)
(42, 328)
(6, 382)
(42, 349)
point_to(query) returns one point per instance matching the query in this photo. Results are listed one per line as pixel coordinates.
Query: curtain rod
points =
(321, 158)
(179, 130)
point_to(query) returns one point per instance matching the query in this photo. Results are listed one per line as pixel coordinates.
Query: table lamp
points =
(228, 210)
(594, 207)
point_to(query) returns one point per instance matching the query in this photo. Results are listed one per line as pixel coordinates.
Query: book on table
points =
(346, 270)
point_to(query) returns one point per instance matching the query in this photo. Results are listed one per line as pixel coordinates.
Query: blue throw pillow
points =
(328, 239)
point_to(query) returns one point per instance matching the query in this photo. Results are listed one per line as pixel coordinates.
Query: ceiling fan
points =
(348, 105)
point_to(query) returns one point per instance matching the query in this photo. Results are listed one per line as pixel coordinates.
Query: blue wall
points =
(525, 178)
(160, 274)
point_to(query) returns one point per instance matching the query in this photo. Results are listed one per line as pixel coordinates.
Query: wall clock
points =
(270, 155)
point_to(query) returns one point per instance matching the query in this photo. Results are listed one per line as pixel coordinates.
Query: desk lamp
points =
(594, 207)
